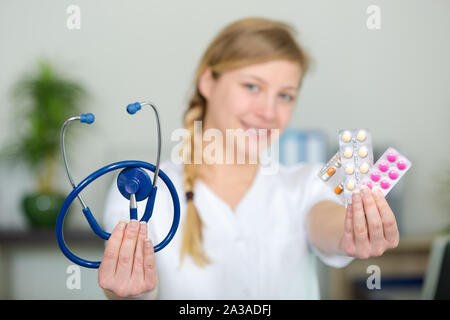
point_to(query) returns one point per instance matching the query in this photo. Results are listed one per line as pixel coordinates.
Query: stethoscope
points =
(133, 183)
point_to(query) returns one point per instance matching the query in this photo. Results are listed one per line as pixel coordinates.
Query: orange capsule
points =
(339, 189)
(328, 173)
(331, 171)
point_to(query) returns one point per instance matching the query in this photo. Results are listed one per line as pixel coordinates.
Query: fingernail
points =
(133, 224)
(365, 190)
(143, 228)
(356, 196)
(122, 224)
(377, 193)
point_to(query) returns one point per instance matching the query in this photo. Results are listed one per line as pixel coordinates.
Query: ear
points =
(206, 82)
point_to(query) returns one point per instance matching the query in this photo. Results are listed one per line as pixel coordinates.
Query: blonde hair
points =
(242, 43)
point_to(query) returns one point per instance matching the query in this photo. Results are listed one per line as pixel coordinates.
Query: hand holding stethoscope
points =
(133, 183)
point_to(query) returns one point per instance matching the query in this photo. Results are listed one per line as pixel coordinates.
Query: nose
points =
(266, 107)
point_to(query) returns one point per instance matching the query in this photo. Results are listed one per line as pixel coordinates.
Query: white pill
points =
(364, 168)
(346, 136)
(349, 169)
(348, 152)
(350, 185)
(362, 152)
(361, 136)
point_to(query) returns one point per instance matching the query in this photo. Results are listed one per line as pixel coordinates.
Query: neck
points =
(227, 173)
(223, 172)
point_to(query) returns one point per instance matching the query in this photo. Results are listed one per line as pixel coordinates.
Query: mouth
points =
(255, 130)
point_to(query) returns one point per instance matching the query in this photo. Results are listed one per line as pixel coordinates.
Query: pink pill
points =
(369, 184)
(391, 156)
(393, 174)
(383, 166)
(375, 176)
(401, 164)
(384, 184)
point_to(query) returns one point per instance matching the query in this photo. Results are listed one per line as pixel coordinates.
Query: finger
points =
(388, 220)
(359, 224)
(348, 239)
(374, 224)
(108, 264)
(138, 265)
(149, 264)
(126, 254)
(348, 221)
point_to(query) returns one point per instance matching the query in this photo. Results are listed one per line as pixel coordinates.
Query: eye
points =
(286, 97)
(252, 87)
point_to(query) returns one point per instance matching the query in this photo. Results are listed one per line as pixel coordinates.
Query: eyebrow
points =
(264, 81)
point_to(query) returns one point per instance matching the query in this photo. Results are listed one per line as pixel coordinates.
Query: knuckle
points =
(138, 262)
(360, 230)
(389, 223)
(384, 206)
(148, 264)
(131, 234)
(376, 226)
(369, 202)
(125, 258)
(149, 249)
(348, 227)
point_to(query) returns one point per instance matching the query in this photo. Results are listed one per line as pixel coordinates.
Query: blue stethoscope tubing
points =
(131, 185)
(93, 223)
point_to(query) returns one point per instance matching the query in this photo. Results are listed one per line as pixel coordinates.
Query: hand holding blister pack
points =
(352, 166)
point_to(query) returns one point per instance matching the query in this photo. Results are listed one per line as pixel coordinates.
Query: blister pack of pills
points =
(388, 170)
(355, 148)
(339, 172)
(331, 174)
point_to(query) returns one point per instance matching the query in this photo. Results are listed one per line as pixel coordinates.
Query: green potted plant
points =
(42, 101)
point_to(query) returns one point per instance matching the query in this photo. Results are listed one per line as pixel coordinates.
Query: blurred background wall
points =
(393, 80)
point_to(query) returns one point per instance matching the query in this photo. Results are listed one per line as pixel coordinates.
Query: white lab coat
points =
(260, 251)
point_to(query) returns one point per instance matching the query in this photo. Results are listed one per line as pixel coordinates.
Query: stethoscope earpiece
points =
(133, 183)
(87, 118)
(132, 108)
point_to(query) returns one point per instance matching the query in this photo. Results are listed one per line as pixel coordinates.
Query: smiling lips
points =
(257, 130)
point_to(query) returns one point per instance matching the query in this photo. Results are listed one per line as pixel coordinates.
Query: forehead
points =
(278, 72)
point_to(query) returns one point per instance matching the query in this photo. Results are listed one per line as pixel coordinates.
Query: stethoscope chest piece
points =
(134, 181)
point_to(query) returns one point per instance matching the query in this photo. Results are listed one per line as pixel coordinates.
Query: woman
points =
(243, 234)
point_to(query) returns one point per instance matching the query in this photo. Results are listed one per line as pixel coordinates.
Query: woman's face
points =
(259, 96)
